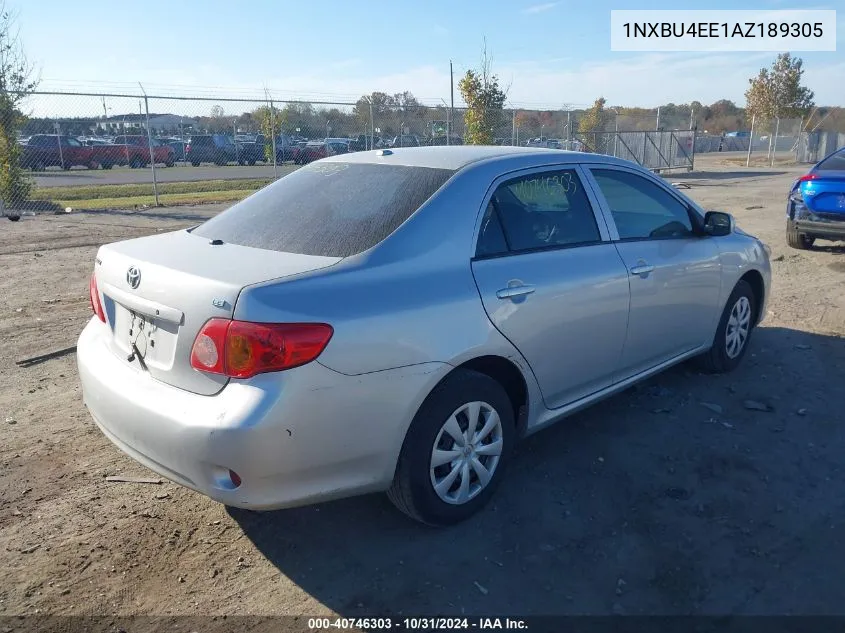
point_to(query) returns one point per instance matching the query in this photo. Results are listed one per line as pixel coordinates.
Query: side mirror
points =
(718, 223)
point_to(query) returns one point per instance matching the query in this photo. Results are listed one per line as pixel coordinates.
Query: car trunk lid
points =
(826, 192)
(158, 291)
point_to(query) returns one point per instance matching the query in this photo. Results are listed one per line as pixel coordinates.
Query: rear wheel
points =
(734, 331)
(456, 450)
(795, 239)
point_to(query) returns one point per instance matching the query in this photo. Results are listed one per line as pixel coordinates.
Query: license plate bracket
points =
(142, 331)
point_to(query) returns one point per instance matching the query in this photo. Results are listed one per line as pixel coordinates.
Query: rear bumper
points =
(296, 437)
(826, 230)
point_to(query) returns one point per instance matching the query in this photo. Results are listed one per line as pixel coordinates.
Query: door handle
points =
(642, 269)
(514, 291)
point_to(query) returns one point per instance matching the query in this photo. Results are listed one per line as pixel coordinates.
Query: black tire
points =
(136, 163)
(14, 218)
(412, 491)
(170, 163)
(716, 360)
(795, 239)
(195, 163)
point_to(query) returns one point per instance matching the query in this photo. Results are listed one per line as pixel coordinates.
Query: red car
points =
(315, 150)
(56, 150)
(134, 150)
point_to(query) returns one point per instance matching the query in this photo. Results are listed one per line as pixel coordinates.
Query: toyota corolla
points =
(396, 320)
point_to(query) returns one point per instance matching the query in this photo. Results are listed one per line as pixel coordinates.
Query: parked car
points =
(583, 275)
(287, 148)
(250, 149)
(177, 145)
(315, 150)
(815, 207)
(53, 150)
(406, 140)
(211, 148)
(134, 150)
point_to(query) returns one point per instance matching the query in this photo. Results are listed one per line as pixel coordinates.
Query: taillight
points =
(94, 295)
(241, 349)
(188, 147)
(807, 177)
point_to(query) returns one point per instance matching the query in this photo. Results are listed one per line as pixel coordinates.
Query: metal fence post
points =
(775, 150)
(372, 126)
(150, 145)
(750, 141)
(272, 130)
(59, 143)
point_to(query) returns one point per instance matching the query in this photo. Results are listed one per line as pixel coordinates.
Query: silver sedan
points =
(396, 320)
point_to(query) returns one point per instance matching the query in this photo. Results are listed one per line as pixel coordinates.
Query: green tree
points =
(595, 118)
(271, 123)
(485, 103)
(777, 92)
(16, 80)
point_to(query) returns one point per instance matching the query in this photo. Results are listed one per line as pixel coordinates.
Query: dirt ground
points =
(649, 503)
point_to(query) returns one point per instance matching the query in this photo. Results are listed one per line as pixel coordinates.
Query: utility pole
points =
(691, 113)
(658, 118)
(452, 93)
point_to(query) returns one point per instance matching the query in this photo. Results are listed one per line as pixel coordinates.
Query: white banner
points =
(794, 30)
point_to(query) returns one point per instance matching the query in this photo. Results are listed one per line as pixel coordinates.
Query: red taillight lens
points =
(240, 349)
(94, 295)
(807, 177)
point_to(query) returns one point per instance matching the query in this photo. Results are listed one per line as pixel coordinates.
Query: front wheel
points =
(456, 450)
(794, 239)
(735, 327)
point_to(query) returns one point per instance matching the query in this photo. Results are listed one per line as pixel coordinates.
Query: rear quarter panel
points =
(411, 299)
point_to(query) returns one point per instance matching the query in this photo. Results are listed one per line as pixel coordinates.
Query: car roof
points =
(455, 157)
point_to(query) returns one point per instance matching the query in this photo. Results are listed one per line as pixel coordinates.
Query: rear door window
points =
(330, 210)
(545, 210)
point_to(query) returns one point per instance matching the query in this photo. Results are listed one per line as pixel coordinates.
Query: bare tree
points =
(17, 80)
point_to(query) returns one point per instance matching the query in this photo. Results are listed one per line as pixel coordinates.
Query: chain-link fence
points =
(104, 150)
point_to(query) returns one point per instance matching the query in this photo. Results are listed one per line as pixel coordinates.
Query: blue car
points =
(816, 205)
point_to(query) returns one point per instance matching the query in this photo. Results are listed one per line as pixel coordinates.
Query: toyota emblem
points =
(133, 277)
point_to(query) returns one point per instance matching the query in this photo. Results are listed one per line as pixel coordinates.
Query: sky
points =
(547, 54)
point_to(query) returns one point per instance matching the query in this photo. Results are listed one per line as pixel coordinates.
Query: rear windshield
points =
(834, 162)
(327, 209)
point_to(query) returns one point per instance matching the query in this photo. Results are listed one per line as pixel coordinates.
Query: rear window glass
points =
(327, 209)
(834, 162)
